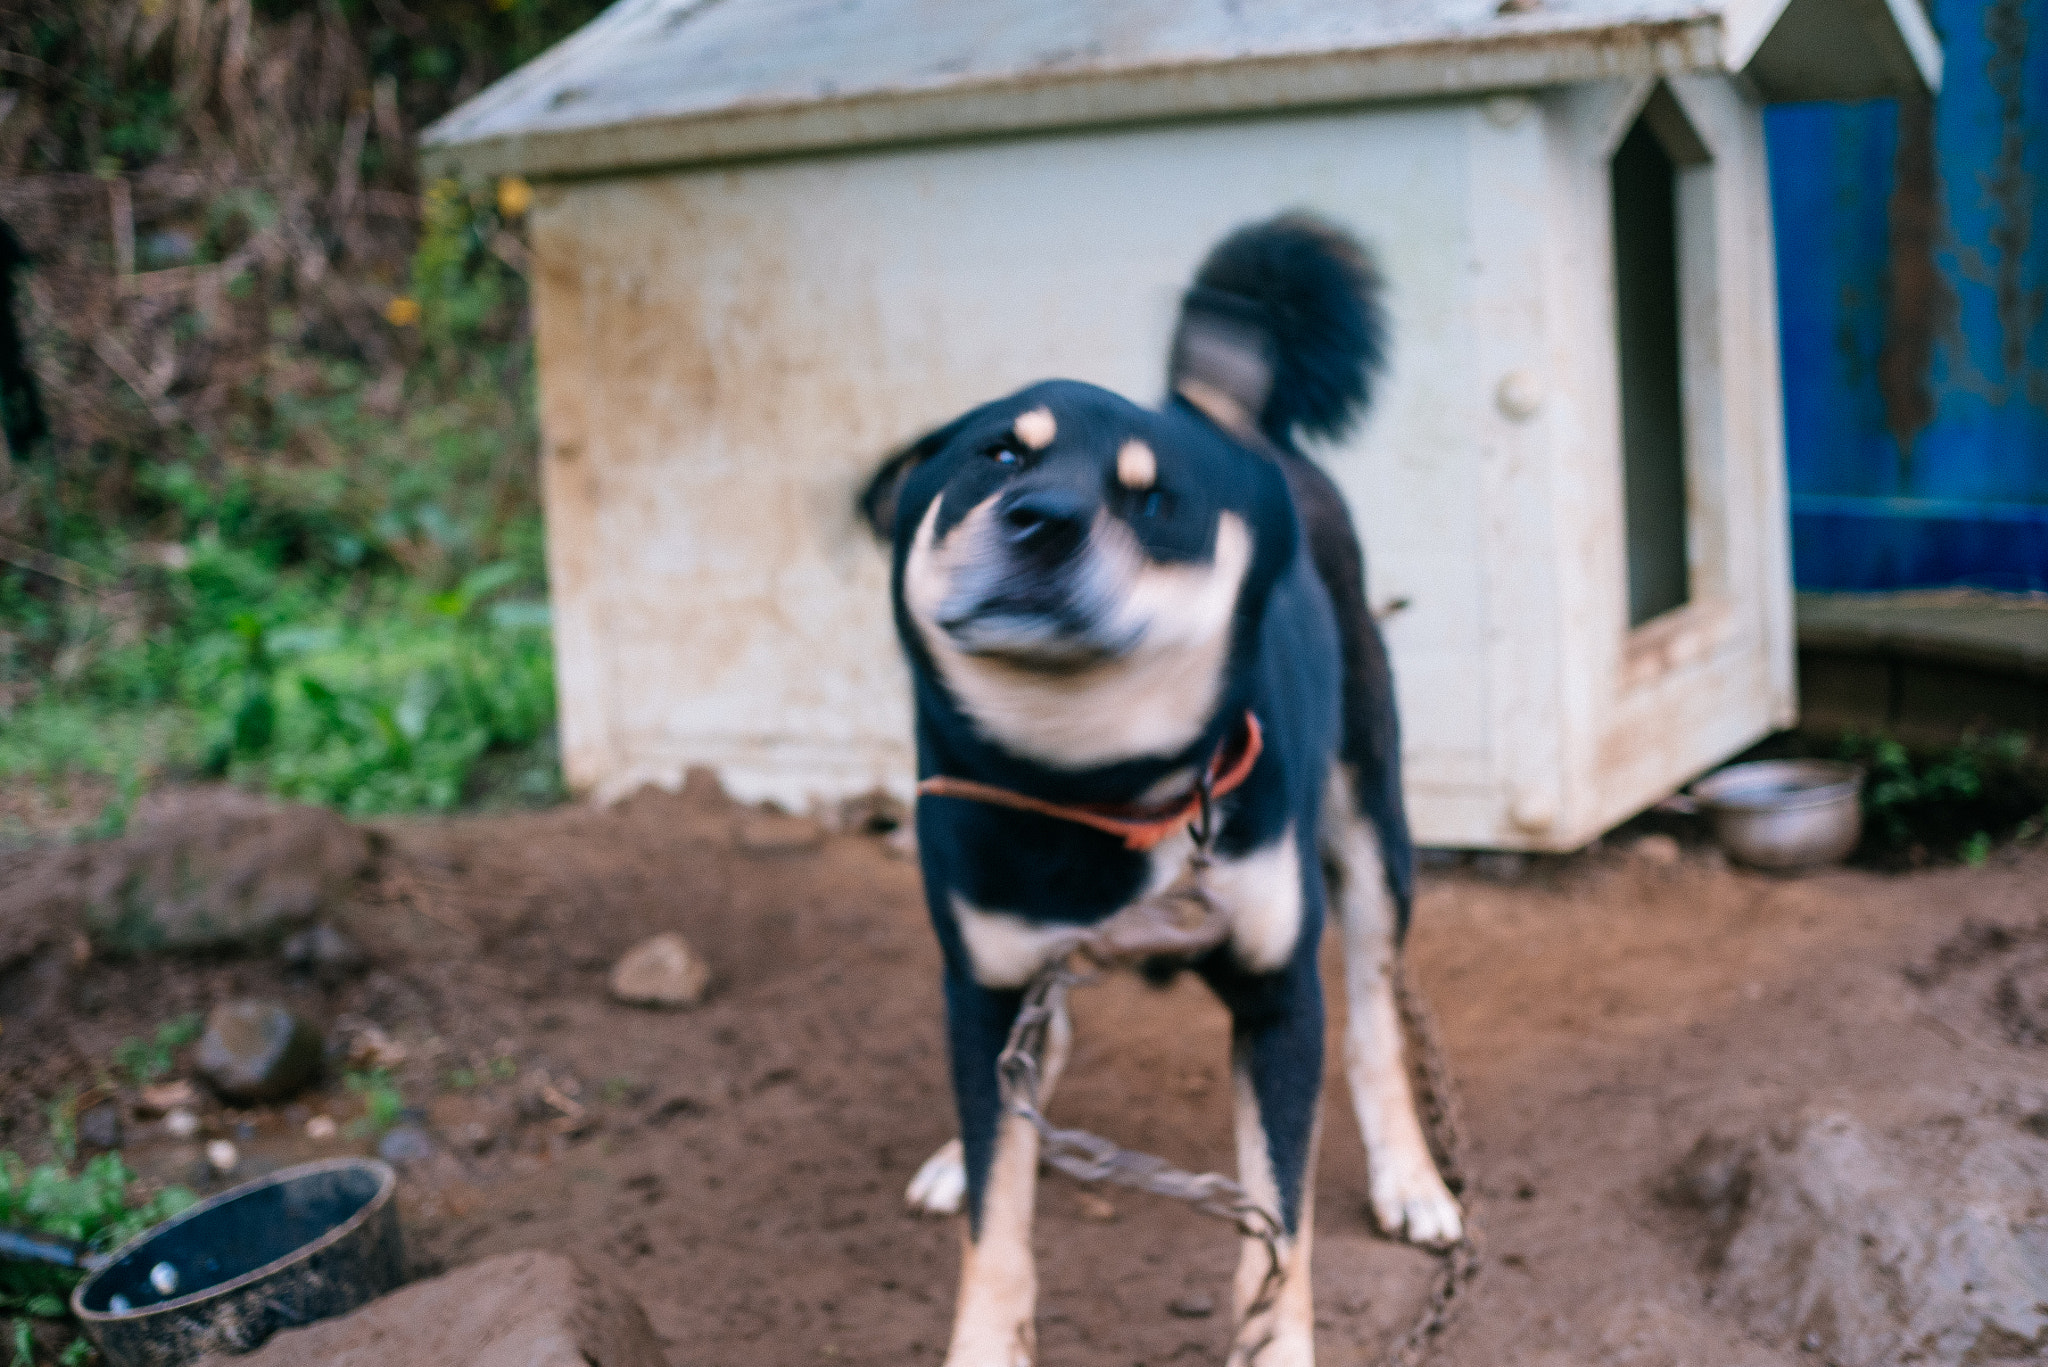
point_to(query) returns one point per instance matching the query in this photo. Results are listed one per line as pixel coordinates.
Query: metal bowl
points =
(1784, 813)
(299, 1245)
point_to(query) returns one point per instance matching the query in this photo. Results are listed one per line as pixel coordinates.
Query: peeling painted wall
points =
(1913, 269)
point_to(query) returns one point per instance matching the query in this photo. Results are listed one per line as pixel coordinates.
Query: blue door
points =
(1913, 298)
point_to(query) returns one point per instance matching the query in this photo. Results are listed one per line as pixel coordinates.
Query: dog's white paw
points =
(941, 1183)
(1411, 1202)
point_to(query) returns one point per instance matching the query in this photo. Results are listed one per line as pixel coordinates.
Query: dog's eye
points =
(1005, 453)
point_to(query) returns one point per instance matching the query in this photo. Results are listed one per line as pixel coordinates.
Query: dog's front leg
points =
(1277, 1059)
(992, 1323)
(940, 1183)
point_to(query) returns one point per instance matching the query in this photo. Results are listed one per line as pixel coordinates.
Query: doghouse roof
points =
(675, 82)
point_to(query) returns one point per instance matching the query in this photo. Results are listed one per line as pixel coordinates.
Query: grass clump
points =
(268, 504)
(339, 599)
(1953, 803)
(383, 1103)
(144, 1061)
(97, 1206)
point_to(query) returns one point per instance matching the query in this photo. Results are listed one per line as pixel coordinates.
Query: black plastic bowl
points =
(300, 1245)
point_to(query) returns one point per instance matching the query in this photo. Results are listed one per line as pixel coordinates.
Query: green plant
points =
(315, 566)
(1950, 803)
(76, 1353)
(144, 1061)
(98, 1207)
(383, 1105)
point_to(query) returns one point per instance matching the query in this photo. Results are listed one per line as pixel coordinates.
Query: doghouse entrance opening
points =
(1645, 181)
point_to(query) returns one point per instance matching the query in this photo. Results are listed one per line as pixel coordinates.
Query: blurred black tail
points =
(1283, 332)
(1284, 321)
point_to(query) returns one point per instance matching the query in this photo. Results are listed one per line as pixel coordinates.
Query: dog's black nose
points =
(1047, 522)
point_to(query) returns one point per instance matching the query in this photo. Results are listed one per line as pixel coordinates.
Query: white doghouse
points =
(774, 238)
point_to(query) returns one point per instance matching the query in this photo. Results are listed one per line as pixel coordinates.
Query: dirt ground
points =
(739, 1167)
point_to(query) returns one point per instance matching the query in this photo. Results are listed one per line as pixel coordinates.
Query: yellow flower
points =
(515, 197)
(402, 312)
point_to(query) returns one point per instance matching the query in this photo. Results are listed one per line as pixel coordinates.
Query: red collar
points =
(1140, 827)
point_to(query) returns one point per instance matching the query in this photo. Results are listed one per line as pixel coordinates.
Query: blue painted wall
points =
(1913, 298)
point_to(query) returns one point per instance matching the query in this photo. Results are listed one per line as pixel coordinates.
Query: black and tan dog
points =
(1097, 600)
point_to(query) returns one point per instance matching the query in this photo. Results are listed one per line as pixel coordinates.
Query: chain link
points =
(1181, 922)
(1438, 1103)
(1147, 930)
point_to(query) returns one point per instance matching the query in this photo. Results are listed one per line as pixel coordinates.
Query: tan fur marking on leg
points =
(993, 1324)
(1409, 1198)
(1036, 428)
(1283, 1335)
(940, 1185)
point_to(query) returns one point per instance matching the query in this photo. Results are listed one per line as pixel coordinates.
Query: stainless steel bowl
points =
(1784, 813)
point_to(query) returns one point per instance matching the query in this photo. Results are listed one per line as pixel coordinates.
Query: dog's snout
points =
(1047, 522)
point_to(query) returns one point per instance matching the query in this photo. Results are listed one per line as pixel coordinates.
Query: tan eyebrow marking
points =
(1136, 466)
(1036, 429)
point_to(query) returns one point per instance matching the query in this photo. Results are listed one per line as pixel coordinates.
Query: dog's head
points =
(1065, 539)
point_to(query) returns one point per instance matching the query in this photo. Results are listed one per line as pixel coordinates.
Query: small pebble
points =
(370, 1047)
(181, 1124)
(321, 1127)
(1096, 1208)
(118, 1304)
(167, 1096)
(164, 1278)
(324, 952)
(1659, 849)
(101, 1126)
(222, 1155)
(1194, 1305)
(406, 1144)
(662, 971)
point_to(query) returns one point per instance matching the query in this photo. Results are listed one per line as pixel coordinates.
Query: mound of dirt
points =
(528, 1309)
(199, 868)
(1874, 1244)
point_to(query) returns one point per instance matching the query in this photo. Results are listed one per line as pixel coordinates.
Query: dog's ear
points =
(877, 501)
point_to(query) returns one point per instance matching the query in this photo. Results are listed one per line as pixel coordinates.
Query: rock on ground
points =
(326, 953)
(257, 1051)
(528, 1309)
(211, 868)
(662, 971)
(1922, 1242)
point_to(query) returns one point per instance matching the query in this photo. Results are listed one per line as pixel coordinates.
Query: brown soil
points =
(739, 1167)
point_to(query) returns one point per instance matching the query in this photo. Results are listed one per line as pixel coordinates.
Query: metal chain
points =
(1438, 1104)
(1090, 1158)
(1181, 922)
